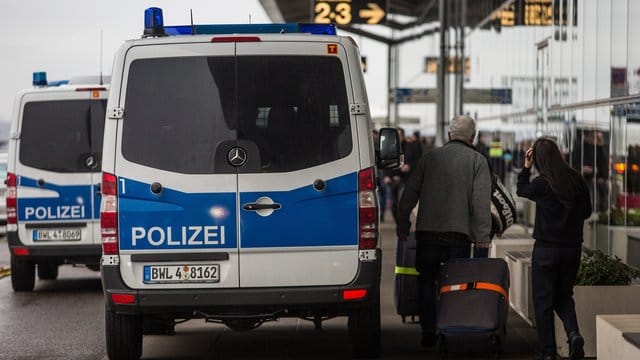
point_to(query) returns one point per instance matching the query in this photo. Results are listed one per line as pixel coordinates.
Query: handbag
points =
(503, 207)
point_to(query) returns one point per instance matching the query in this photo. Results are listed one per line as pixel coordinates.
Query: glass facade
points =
(578, 81)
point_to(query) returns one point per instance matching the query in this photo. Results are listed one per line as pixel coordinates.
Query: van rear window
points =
(295, 109)
(60, 135)
(184, 114)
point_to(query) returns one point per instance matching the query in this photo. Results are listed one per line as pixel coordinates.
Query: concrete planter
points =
(620, 241)
(592, 301)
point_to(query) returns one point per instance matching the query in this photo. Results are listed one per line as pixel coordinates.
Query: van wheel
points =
(23, 274)
(124, 335)
(364, 329)
(47, 271)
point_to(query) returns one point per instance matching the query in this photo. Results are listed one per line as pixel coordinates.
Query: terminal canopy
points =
(414, 13)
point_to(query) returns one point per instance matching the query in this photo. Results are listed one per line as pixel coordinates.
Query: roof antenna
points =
(193, 29)
(101, 46)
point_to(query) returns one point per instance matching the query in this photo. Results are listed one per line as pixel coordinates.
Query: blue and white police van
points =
(52, 198)
(239, 182)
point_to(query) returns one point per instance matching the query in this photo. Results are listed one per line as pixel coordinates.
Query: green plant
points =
(617, 217)
(599, 269)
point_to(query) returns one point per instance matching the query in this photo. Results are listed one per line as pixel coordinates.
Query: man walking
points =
(453, 186)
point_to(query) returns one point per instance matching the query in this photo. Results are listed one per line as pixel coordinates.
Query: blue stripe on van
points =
(307, 218)
(175, 219)
(72, 203)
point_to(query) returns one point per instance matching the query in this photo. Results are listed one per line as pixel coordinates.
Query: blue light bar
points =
(40, 78)
(57, 82)
(318, 29)
(154, 26)
(288, 28)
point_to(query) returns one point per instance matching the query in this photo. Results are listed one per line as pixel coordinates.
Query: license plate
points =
(174, 274)
(56, 234)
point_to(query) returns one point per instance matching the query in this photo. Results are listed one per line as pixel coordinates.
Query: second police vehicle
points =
(53, 172)
(239, 182)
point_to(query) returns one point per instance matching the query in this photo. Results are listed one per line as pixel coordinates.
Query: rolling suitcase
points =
(406, 279)
(473, 306)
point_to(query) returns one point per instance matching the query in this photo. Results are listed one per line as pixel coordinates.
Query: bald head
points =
(462, 127)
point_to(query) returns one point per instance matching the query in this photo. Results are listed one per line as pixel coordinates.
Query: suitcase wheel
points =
(442, 346)
(497, 345)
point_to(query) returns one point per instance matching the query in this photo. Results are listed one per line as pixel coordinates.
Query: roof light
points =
(153, 22)
(153, 26)
(318, 29)
(40, 78)
(57, 82)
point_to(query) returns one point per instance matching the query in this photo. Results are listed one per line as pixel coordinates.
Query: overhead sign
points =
(487, 96)
(413, 95)
(536, 13)
(470, 96)
(431, 65)
(345, 12)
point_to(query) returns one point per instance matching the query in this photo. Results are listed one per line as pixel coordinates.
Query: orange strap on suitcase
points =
(476, 285)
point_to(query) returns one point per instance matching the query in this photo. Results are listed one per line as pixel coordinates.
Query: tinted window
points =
(61, 135)
(185, 114)
(295, 109)
(179, 114)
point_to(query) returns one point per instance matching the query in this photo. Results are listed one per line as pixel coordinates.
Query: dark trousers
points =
(432, 250)
(553, 275)
(394, 194)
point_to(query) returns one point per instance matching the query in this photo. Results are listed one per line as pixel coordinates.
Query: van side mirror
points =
(390, 151)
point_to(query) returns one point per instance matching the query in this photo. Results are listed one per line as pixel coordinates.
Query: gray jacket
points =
(454, 188)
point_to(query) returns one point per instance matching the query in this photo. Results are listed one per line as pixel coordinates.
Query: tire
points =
(364, 329)
(124, 335)
(23, 274)
(48, 271)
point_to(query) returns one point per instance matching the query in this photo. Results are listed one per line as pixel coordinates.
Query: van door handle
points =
(256, 206)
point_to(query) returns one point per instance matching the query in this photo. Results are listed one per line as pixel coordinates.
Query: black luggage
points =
(406, 280)
(472, 306)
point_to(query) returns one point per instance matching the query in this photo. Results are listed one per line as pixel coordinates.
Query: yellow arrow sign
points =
(374, 13)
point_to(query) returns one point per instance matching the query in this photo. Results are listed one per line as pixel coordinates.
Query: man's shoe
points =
(576, 346)
(428, 340)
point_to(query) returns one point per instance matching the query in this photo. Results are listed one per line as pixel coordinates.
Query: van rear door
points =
(299, 210)
(57, 164)
(176, 190)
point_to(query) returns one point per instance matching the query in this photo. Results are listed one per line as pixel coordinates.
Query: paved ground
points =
(63, 319)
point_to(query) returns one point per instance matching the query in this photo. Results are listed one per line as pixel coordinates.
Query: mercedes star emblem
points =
(237, 156)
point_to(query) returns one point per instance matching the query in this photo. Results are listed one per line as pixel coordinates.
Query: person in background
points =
(396, 179)
(562, 204)
(481, 146)
(453, 186)
(592, 161)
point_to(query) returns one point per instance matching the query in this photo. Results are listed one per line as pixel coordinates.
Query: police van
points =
(52, 199)
(239, 182)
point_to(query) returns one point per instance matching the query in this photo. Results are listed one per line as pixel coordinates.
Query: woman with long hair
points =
(562, 204)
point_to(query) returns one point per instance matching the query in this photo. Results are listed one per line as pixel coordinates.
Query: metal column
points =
(442, 106)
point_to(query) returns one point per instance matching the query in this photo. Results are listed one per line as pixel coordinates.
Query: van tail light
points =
(354, 294)
(12, 199)
(123, 298)
(368, 210)
(109, 214)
